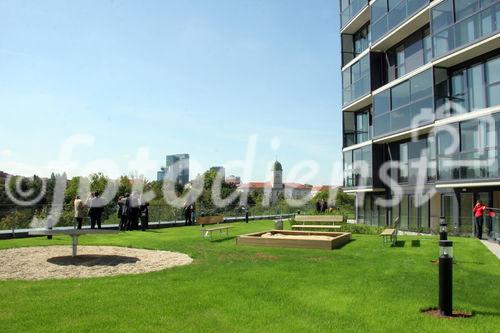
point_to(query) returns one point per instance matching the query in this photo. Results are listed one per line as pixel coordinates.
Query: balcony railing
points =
(351, 11)
(470, 166)
(356, 90)
(466, 31)
(404, 118)
(384, 23)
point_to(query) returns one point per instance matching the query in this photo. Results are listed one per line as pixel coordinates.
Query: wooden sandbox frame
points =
(338, 239)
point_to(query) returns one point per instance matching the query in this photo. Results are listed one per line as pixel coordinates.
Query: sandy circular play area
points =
(55, 262)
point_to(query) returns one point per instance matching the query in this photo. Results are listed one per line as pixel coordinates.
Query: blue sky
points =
(173, 76)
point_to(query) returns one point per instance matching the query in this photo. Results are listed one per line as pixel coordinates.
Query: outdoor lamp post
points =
(446, 277)
(443, 229)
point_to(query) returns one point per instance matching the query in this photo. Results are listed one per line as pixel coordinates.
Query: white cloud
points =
(5, 153)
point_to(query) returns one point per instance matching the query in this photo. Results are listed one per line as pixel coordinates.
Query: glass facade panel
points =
(476, 87)
(382, 102)
(469, 135)
(378, 9)
(382, 125)
(420, 85)
(442, 15)
(494, 94)
(356, 80)
(413, 213)
(403, 163)
(464, 8)
(493, 70)
(401, 118)
(349, 9)
(466, 205)
(410, 101)
(463, 25)
(478, 157)
(388, 14)
(358, 167)
(469, 89)
(404, 212)
(400, 95)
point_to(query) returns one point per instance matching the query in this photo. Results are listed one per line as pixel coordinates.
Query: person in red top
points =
(478, 219)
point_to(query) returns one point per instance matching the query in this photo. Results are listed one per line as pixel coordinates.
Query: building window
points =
(410, 54)
(358, 167)
(403, 163)
(354, 44)
(357, 127)
(469, 89)
(493, 81)
(397, 108)
(349, 9)
(457, 23)
(388, 14)
(478, 154)
(356, 80)
(361, 39)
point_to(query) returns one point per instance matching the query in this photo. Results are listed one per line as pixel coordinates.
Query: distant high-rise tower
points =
(177, 168)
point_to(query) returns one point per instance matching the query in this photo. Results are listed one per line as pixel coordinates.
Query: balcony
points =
(351, 11)
(448, 36)
(405, 106)
(358, 167)
(356, 81)
(469, 166)
(357, 128)
(385, 18)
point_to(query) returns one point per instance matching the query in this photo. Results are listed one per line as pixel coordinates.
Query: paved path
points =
(493, 247)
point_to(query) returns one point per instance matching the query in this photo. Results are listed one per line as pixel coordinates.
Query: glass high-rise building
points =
(421, 110)
(177, 169)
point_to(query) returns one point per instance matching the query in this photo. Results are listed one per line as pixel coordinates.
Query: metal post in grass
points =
(443, 229)
(446, 277)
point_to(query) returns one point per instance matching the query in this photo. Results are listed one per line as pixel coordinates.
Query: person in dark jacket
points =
(187, 215)
(133, 211)
(144, 212)
(324, 206)
(99, 209)
(123, 212)
(318, 206)
(90, 203)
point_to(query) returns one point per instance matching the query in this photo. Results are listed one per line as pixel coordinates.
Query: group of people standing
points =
(131, 209)
(479, 211)
(95, 206)
(321, 206)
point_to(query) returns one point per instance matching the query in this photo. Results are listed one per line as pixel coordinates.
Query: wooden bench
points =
(318, 220)
(212, 220)
(391, 233)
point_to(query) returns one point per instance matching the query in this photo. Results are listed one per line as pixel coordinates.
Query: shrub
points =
(362, 229)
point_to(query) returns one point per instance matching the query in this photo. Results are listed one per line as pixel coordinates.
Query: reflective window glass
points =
(400, 95)
(464, 8)
(382, 102)
(493, 70)
(378, 9)
(421, 85)
(469, 135)
(442, 15)
(476, 87)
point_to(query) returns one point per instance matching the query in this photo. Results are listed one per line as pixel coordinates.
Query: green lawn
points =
(363, 287)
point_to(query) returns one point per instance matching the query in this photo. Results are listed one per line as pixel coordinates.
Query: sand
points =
(55, 262)
(298, 236)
